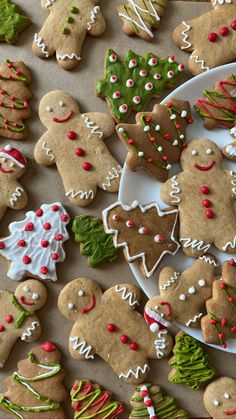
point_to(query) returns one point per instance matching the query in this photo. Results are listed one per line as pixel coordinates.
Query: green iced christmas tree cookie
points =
(12, 22)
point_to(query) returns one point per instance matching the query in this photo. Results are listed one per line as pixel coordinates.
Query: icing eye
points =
(194, 153)
(192, 290)
(70, 306)
(216, 402)
(81, 293)
(48, 109)
(61, 103)
(182, 297)
(227, 396)
(35, 296)
(209, 151)
(26, 288)
(201, 282)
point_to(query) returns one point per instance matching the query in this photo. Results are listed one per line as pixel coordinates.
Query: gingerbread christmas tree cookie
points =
(130, 83)
(12, 21)
(157, 139)
(139, 17)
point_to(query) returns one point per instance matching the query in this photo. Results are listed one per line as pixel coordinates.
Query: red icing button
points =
(71, 135)
(79, 152)
(64, 217)
(29, 227)
(2, 245)
(55, 208)
(206, 203)
(48, 347)
(44, 270)
(169, 104)
(221, 335)
(224, 31)
(2, 328)
(111, 327)
(39, 212)
(131, 141)
(44, 243)
(55, 256)
(87, 166)
(205, 190)
(233, 25)
(133, 346)
(76, 406)
(58, 237)
(9, 318)
(47, 226)
(148, 403)
(21, 243)
(124, 339)
(26, 260)
(209, 213)
(212, 37)
(223, 322)
(144, 393)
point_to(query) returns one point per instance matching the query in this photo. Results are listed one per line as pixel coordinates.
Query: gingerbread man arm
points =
(127, 293)
(96, 24)
(171, 190)
(99, 123)
(17, 196)
(32, 329)
(183, 36)
(79, 348)
(43, 153)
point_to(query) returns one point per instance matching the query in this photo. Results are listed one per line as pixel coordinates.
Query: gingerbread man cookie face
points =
(204, 194)
(74, 143)
(65, 29)
(31, 294)
(220, 398)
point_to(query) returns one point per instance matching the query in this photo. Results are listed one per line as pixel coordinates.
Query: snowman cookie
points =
(204, 194)
(220, 398)
(17, 315)
(108, 324)
(12, 166)
(73, 142)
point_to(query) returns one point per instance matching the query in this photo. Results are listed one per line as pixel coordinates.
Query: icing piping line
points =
(199, 61)
(161, 343)
(47, 150)
(233, 181)
(231, 150)
(83, 194)
(67, 57)
(17, 194)
(40, 44)
(176, 190)
(135, 373)
(84, 349)
(209, 260)
(127, 296)
(29, 330)
(185, 35)
(194, 320)
(170, 281)
(91, 125)
(231, 244)
(94, 13)
(49, 3)
(199, 245)
(113, 174)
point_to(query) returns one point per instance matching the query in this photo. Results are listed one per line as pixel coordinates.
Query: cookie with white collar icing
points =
(220, 398)
(229, 151)
(17, 315)
(65, 28)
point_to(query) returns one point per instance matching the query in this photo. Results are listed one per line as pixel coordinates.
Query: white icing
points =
(92, 126)
(139, 11)
(132, 63)
(170, 281)
(93, 17)
(160, 148)
(41, 45)
(142, 255)
(209, 151)
(143, 73)
(113, 174)
(123, 108)
(121, 130)
(49, 3)
(142, 230)
(184, 114)
(70, 306)
(171, 59)
(161, 343)
(47, 150)
(127, 295)
(170, 74)
(192, 290)
(157, 76)
(62, 57)
(175, 190)
(216, 402)
(194, 320)
(116, 95)
(157, 127)
(184, 34)
(197, 60)
(146, 128)
(140, 153)
(231, 150)
(175, 142)
(26, 288)
(201, 282)
(82, 346)
(194, 153)
(16, 195)
(137, 100)
(82, 194)
(227, 396)
(113, 78)
(195, 244)
(158, 238)
(221, 2)
(148, 86)
(152, 62)
(173, 117)
(29, 331)
(182, 297)
(61, 103)
(233, 131)
(129, 83)
(48, 109)
(39, 256)
(207, 259)
(139, 370)
(157, 317)
(147, 400)
(81, 293)
(154, 327)
(129, 223)
(35, 296)
(230, 244)
(233, 182)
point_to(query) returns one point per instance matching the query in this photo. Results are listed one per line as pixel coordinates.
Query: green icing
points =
(11, 21)
(74, 10)
(121, 70)
(95, 243)
(65, 31)
(164, 406)
(190, 362)
(23, 313)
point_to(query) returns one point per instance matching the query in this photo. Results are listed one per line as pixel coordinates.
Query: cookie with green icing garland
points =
(36, 390)
(12, 21)
(94, 242)
(129, 83)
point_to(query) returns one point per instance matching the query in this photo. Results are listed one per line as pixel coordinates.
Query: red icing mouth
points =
(5, 171)
(26, 302)
(67, 118)
(230, 412)
(90, 306)
(150, 320)
(205, 168)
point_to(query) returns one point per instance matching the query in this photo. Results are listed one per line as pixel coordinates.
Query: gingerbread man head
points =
(220, 398)
(201, 155)
(12, 163)
(56, 108)
(31, 294)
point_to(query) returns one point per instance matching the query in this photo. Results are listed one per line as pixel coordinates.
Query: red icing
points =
(54, 256)
(67, 118)
(232, 262)
(213, 321)
(205, 190)
(2, 328)
(131, 141)
(169, 104)
(75, 387)
(48, 347)
(44, 270)
(148, 119)
(233, 25)
(26, 260)
(169, 310)
(39, 212)
(9, 319)
(209, 213)
(233, 329)
(230, 412)
(224, 322)
(221, 335)
(124, 339)
(2, 245)
(224, 31)
(64, 217)
(47, 226)
(87, 166)
(144, 393)
(212, 37)
(29, 227)
(167, 136)
(231, 299)
(152, 139)
(148, 403)
(222, 286)
(58, 237)
(80, 152)
(76, 406)
(21, 243)
(44, 243)
(111, 327)
(150, 160)
(26, 302)
(55, 208)
(206, 203)
(205, 168)
(71, 135)
(133, 346)
(90, 306)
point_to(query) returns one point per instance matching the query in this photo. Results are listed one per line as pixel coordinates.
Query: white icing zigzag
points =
(47, 150)
(194, 320)
(114, 173)
(127, 296)
(82, 194)
(199, 61)
(231, 244)
(94, 13)
(170, 281)
(176, 190)
(209, 260)
(68, 57)
(185, 35)
(233, 182)
(30, 330)
(49, 3)
(135, 373)
(17, 194)
(221, 2)
(91, 125)
(40, 44)
(199, 245)
(161, 343)
(84, 349)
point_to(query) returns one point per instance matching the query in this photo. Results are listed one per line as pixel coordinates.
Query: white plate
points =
(143, 188)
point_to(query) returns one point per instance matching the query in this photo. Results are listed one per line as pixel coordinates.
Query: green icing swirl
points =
(95, 243)
(11, 21)
(190, 363)
(120, 68)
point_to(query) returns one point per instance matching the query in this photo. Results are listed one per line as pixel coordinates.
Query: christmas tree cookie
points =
(189, 363)
(94, 242)
(36, 391)
(14, 95)
(35, 244)
(89, 401)
(139, 17)
(130, 83)
(220, 322)
(157, 139)
(12, 21)
(148, 402)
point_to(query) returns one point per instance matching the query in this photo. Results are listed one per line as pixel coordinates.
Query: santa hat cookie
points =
(14, 155)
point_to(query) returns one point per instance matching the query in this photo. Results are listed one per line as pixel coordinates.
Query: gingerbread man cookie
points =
(220, 398)
(73, 142)
(12, 166)
(182, 296)
(17, 315)
(65, 29)
(204, 194)
(210, 37)
(108, 324)
(229, 151)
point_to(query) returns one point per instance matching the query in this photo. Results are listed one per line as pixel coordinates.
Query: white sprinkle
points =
(201, 282)
(182, 297)
(183, 114)
(192, 290)
(157, 128)
(172, 117)
(146, 128)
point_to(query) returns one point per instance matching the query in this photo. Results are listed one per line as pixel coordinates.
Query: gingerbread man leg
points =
(227, 242)
(194, 244)
(68, 53)
(80, 194)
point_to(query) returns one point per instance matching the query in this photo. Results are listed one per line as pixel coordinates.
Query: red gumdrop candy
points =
(48, 347)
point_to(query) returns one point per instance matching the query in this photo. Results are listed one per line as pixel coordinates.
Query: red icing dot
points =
(213, 321)
(64, 217)
(29, 227)
(39, 212)
(79, 152)
(169, 104)
(209, 213)
(87, 166)
(26, 260)
(48, 347)
(222, 286)
(124, 339)
(54, 256)
(150, 160)
(131, 141)
(21, 243)
(133, 346)
(206, 203)
(167, 136)
(164, 158)
(2, 245)
(111, 327)
(224, 31)
(55, 208)
(9, 319)
(47, 226)
(224, 322)
(144, 393)
(178, 126)
(153, 417)
(71, 135)
(148, 403)
(152, 139)
(233, 25)
(148, 119)
(44, 270)
(224, 345)
(2, 328)
(232, 262)
(76, 406)
(44, 243)
(212, 36)
(231, 299)
(9, 65)
(58, 237)
(221, 335)
(18, 73)
(75, 387)
(233, 329)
